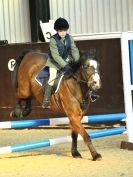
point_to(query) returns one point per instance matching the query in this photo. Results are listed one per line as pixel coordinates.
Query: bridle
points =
(85, 81)
(92, 73)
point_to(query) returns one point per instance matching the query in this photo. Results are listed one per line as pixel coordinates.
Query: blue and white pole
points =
(62, 121)
(51, 142)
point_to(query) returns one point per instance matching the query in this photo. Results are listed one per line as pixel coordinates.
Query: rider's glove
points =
(67, 69)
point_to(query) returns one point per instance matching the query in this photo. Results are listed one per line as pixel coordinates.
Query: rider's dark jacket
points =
(59, 49)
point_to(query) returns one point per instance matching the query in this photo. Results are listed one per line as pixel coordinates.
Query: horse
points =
(72, 97)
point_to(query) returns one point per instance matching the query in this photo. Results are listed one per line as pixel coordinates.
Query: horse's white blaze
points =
(93, 63)
(96, 79)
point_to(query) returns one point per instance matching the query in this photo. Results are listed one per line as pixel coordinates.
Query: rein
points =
(83, 81)
(86, 100)
(79, 80)
(88, 96)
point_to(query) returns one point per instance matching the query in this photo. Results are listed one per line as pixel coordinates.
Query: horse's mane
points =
(84, 55)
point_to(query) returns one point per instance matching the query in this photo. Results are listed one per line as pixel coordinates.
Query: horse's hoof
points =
(11, 114)
(76, 154)
(14, 114)
(25, 112)
(97, 156)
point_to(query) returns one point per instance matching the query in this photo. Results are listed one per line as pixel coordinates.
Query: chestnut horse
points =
(72, 97)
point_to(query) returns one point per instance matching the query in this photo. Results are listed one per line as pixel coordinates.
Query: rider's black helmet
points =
(61, 24)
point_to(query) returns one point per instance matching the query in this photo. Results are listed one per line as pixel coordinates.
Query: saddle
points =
(43, 77)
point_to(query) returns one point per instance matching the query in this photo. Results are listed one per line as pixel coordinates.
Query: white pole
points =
(127, 84)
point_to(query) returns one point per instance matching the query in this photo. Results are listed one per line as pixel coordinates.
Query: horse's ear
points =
(90, 52)
(81, 52)
(93, 53)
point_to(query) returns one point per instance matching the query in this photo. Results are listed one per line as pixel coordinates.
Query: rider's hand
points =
(67, 68)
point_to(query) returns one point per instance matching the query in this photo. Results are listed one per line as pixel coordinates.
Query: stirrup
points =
(93, 96)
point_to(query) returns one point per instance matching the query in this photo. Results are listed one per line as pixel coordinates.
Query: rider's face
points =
(62, 33)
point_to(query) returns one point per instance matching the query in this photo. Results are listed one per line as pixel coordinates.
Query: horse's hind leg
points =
(74, 150)
(17, 112)
(24, 95)
(27, 108)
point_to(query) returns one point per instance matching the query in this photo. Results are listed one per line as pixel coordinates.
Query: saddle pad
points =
(43, 76)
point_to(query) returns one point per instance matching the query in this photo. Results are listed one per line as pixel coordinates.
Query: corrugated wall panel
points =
(83, 16)
(101, 21)
(89, 14)
(15, 21)
(130, 14)
(112, 15)
(94, 16)
(2, 29)
(107, 16)
(78, 26)
(72, 14)
(65, 9)
(6, 19)
(119, 15)
(12, 22)
(125, 10)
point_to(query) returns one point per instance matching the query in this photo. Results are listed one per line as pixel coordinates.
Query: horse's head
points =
(90, 70)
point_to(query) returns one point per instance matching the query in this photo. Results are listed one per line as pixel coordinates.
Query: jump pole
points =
(51, 142)
(61, 121)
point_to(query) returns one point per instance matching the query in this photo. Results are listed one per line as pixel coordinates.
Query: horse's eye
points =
(85, 66)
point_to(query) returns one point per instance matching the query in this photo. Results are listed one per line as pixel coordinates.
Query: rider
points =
(60, 44)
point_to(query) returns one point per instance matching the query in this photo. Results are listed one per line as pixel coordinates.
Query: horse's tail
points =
(16, 67)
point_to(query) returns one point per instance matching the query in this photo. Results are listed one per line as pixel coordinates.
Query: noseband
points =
(95, 71)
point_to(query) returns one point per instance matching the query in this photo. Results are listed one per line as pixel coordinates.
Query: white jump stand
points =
(128, 88)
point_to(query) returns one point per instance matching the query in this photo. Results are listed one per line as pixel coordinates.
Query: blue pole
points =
(106, 117)
(50, 142)
(108, 132)
(32, 145)
(60, 121)
(29, 123)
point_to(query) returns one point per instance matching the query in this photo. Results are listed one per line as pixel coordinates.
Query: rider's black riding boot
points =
(47, 95)
(93, 96)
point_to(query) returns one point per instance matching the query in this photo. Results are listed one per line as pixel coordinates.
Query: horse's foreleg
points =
(78, 127)
(87, 140)
(75, 115)
(74, 150)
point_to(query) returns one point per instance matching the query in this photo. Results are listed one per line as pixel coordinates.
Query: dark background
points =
(39, 10)
(111, 94)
